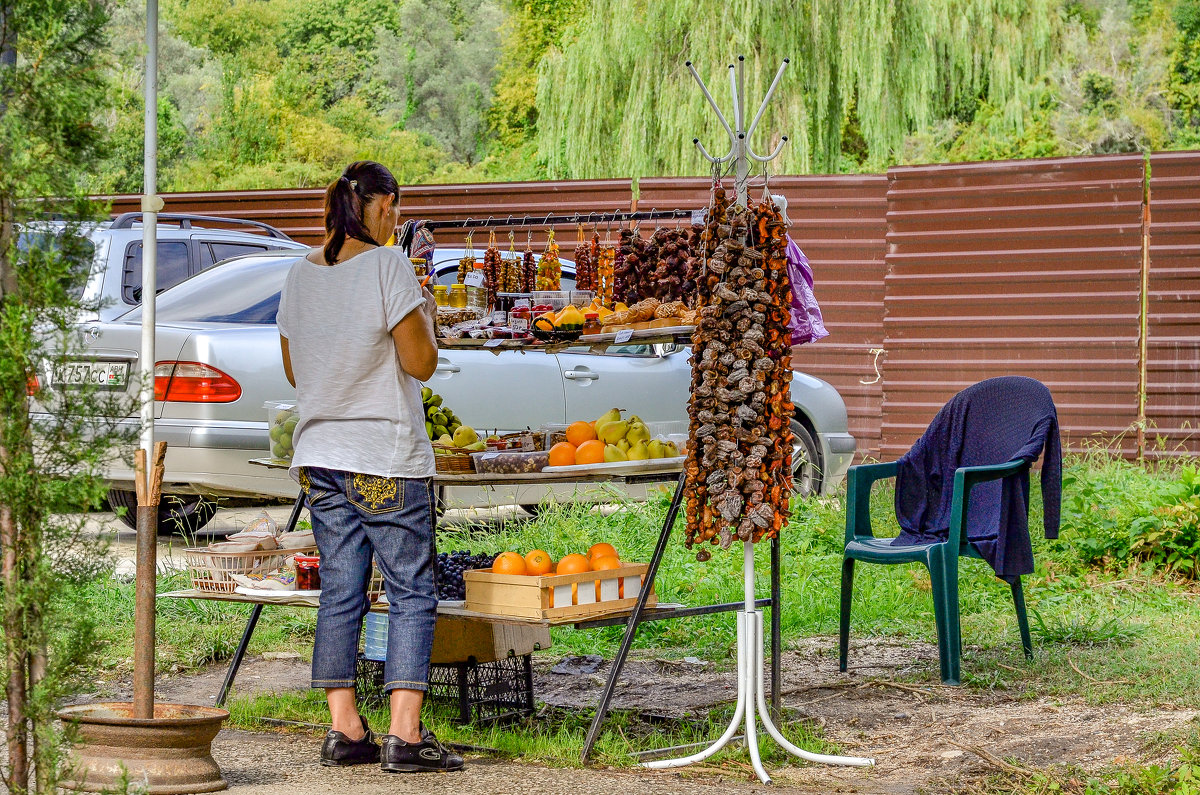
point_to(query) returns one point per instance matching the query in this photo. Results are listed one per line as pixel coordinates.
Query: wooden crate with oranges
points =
(534, 587)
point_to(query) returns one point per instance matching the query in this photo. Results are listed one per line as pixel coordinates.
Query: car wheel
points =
(177, 513)
(806, 462)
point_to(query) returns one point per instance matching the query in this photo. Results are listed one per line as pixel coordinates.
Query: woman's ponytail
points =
(345, 200)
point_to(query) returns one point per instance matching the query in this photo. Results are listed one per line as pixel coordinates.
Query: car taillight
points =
(193, 382)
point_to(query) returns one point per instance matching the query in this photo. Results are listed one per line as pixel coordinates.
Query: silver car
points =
(219, 360)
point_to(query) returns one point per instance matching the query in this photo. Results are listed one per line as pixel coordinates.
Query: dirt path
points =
(920, 736)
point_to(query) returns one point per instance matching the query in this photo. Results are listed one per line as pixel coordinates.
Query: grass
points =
(1105, 630)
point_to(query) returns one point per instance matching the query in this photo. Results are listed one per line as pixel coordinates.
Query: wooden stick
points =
(990, 758)
(1094, 679)
(156, 472)
(139, 476)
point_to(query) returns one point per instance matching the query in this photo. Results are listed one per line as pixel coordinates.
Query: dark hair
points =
(345, 200)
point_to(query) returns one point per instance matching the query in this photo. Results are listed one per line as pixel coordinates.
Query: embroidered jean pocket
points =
(313, 494)
(375, 494)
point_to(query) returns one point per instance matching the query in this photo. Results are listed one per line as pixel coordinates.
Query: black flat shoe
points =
(427, 756)
(339, 750)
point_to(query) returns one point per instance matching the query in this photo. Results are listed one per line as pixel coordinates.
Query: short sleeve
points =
(281, 311)
(401, 290)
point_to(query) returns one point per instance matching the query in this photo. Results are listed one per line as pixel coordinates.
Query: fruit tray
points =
(616, 467)
(556, 596)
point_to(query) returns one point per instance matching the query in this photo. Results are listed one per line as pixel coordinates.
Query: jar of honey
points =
(441, 295)
(591, 323)
(458, 296)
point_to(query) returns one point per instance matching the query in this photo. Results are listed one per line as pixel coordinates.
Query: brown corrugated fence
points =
(1081, 272)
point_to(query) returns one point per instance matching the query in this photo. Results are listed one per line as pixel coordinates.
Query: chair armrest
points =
(967, 478)
(859, 480)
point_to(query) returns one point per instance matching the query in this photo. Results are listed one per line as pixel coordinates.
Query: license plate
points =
(106, 374)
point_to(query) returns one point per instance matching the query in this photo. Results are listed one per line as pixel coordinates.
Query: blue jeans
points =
(353, 517)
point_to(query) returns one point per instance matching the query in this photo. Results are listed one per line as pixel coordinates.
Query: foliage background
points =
(283, 93)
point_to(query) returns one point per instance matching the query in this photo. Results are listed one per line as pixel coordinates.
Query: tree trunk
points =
(43, 758)
(8, 272)
(15, 688)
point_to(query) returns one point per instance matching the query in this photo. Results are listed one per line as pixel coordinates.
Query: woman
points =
(357, 333)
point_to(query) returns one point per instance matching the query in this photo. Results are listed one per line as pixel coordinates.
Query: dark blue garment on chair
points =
(992, 422)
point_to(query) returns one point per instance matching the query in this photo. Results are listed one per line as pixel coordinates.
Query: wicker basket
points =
(450, 460)
(210, 570)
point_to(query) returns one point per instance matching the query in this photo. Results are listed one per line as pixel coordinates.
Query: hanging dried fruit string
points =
(739, 453)
(528, 274)
(605, 260)
(467, 263)
(549, 271)
(510, 268)
(585, 265)
(491, 269)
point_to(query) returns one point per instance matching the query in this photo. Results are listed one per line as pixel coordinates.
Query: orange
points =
(580, 432)
(590, 452)
(508, 563)
(538, 562)
(562, 454)
(605, 563)
(573, 564)
(601, 550)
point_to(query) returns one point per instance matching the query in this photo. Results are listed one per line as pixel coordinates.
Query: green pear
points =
(623, 444)
(612, 453)
(426, 393)
(612, 415)
(429, 429)
(656, 449)
(436, 400)
(635, 418)
(639, 452)
(465, 435)
(672, 450)
(610, 432)
(638, 432)
(446, 439)
(477, 447)
(440, 431)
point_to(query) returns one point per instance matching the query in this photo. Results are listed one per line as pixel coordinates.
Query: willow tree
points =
(617, 100)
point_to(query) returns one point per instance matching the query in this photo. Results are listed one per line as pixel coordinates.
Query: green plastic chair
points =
(941, 559)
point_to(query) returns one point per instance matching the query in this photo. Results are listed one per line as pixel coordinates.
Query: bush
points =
(1117, 513)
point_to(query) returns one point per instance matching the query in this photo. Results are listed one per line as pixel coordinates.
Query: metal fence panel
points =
(1173, 306)
(1023, 267)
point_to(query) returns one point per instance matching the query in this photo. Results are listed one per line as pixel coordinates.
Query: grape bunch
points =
(450, 568)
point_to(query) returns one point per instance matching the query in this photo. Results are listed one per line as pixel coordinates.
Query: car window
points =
(211, 253)
(244, 291)
(615, 350)
(80, 247)
(172, 268)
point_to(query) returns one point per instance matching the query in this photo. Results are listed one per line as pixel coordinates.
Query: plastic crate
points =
(491, 692)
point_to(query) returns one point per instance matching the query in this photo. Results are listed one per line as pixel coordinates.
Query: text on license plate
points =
(110, 374)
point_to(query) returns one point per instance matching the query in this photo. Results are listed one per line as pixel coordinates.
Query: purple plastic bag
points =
(806, 323)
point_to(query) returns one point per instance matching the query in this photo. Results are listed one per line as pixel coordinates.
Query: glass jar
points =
(419, 267)
(441, 295)
(591, 323)
(520, 316)
(308, 573)
(458, 296)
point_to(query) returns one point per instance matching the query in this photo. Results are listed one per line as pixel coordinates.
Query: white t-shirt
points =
(359, 411)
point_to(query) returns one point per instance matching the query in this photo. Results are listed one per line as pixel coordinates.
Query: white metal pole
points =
(147, 511)
(151, 204)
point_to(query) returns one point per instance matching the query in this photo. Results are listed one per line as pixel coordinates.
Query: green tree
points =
(51, 90)
(616, 99)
